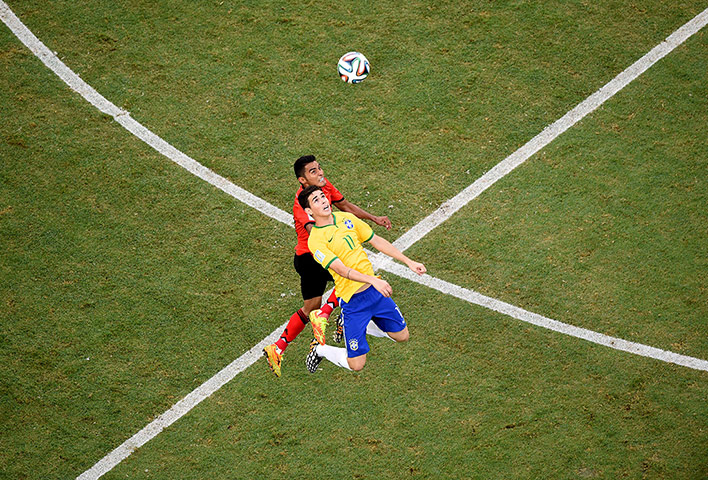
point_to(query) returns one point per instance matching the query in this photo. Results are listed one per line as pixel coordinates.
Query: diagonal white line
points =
(551, 132)
(535, 319)
(382, 262)
(179, 409)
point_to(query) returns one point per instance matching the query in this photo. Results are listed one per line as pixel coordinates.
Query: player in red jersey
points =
(313, 278)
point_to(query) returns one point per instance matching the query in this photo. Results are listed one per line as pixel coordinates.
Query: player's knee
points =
(357, 363)
(401, 336)
(310, 305)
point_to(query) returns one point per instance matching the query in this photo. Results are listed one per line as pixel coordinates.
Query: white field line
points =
(179, 409)
(121, 116)
(552, 131)
(250, 357)
(529, 317)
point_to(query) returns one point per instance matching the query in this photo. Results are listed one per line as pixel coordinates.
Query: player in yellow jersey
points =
(336, 244)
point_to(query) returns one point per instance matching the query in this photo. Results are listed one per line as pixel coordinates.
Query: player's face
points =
(313, 175)
(319, 204)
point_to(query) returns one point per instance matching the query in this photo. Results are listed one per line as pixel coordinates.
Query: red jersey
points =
(302, 218)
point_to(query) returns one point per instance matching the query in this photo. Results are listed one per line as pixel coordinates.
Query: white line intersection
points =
(404, 242)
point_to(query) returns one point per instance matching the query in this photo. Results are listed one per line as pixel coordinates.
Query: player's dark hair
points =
(300, 163)
(304, 197)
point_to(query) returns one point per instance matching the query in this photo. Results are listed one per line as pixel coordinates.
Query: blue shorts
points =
(363, 307)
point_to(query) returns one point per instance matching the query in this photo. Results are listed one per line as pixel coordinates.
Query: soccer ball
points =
(353, 67)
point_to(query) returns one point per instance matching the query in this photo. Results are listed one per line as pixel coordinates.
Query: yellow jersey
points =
(342, 240)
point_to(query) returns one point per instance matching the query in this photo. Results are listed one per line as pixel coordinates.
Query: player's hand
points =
(383, 287)
(383, 222)
(418, 268)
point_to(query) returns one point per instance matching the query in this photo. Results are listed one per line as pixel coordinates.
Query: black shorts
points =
(313, 277)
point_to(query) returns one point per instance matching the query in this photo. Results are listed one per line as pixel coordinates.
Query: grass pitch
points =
(126, 282)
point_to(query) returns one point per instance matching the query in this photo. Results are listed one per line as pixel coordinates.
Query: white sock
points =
(336, 355)
(374, 330)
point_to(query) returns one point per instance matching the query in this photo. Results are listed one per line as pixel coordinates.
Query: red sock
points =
(330, 305)
(295, 325)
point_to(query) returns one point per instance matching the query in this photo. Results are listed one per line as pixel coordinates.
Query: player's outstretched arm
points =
(347, 206)
(385, 247)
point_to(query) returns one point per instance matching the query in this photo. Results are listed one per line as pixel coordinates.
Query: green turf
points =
(454, 88)
(126, 282)
(607, 227)
(125, 279)
(468, 403)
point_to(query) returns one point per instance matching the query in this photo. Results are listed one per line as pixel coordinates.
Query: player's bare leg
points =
(401, 336)
(311, 304)
(357, 363)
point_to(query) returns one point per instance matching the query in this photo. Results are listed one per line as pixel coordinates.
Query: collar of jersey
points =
(330, 225)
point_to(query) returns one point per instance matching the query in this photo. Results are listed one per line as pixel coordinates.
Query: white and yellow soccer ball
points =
(353, 67)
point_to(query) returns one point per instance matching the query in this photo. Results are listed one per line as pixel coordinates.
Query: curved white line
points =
(123, 117)
(535, 319)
